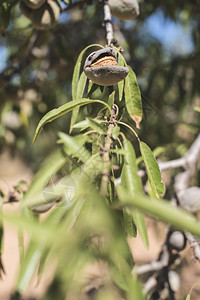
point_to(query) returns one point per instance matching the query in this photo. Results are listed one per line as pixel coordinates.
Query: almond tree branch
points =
(188, 160)
(182, 182)
(194, 244)
(106, 154)
(108, 23)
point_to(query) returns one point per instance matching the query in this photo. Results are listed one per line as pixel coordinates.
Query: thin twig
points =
(106, 160)
(108, 23)
(194, 244)
(106, 155)
(172, 164)
(191, 159)
(182, 182)
(188, 160)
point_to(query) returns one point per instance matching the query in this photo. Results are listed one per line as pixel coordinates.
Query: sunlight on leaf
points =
(79, 94)
(133, 184)
(62, 110)
(133, 98)
(153, 170)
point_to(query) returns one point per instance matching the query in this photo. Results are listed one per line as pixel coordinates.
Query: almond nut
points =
(101, 67)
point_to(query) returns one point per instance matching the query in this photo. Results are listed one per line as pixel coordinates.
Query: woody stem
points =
(108, 22)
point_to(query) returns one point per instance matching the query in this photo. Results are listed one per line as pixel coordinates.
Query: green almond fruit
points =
(124, 9)
(46, 16)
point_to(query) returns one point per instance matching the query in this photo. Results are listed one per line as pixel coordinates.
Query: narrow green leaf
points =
(58, 112)
(111, 99)
(77, 69)
(133, 98)
(93, 167)
(133, 183)
(74, 146)
(115, 132)
(79, 94)
(28, 266)
(121, 89)
(129, 225)
(135, 289)
(111, 192)
(85, 124)
(132, 180)
(49, 167)
(92, 87)
(161, 209)
(39, 233)
(96, 126)
(120, 84)
(153, 170)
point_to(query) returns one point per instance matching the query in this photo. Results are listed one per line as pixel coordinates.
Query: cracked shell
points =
(124, 9)
(101, 67)
(34, 4)
(46, 16)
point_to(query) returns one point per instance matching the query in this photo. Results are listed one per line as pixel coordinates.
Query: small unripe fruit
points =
(124, 9)
(101, 67)
(46, 16)
(34, 4)
(177, 240)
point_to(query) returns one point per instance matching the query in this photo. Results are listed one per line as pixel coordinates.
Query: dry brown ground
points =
(13, 170)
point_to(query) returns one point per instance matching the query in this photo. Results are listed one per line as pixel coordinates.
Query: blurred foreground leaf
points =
(153, 170)
(133, 184)
(161, 210)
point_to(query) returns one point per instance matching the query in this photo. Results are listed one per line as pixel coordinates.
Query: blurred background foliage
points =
(162, 46)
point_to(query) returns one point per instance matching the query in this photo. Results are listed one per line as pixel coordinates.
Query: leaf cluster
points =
(97, 196)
